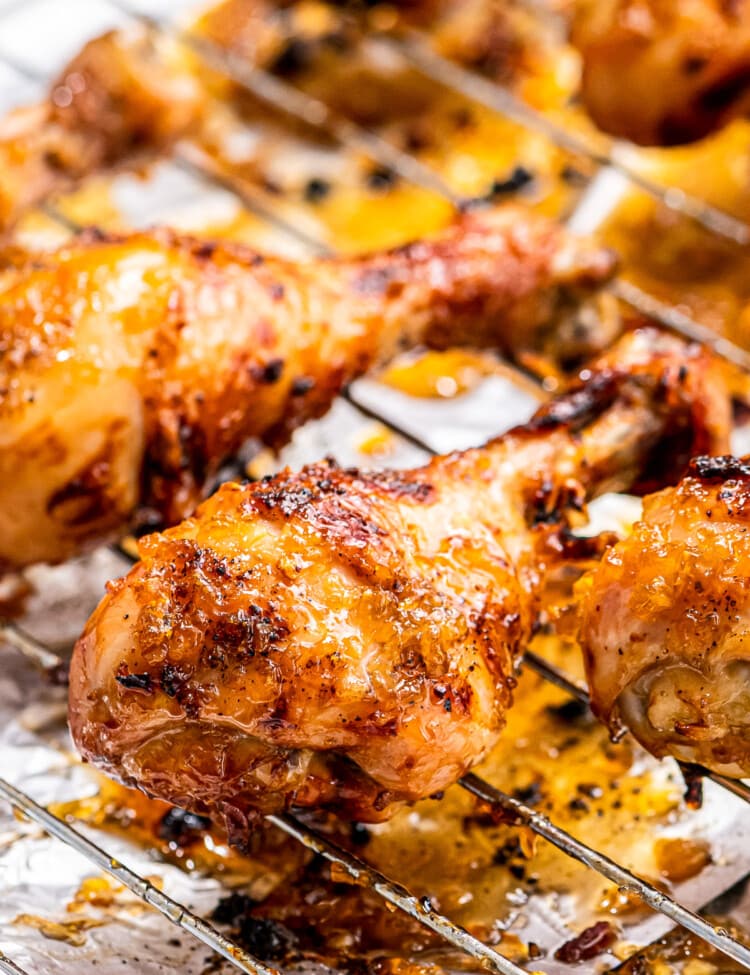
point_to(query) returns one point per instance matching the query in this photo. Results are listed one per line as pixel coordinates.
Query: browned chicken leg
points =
(278, 35)
(664, 621)
(500, 38)
(348, 639)
(130, 368)
(116, 100)
(662, 72)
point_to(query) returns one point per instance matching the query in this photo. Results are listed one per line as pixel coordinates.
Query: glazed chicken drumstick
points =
(664, 621)
(500, 38)
(662, 72)
(131, 368)
(117, 100)
(346, 639)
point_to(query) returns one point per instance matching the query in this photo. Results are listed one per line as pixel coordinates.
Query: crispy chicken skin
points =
(117, 99)
(131, 367)
(665, 621)
(661, 72)
(348, 639)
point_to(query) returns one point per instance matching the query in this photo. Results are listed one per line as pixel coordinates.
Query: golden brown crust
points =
(664, 621)
(348, 639)
(134, 366)
(116, 101)
(663, 73)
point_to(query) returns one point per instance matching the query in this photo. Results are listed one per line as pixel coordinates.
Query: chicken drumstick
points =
(664, 621)
(660, 72)
(349, 640)
(117, 100)
(131, 368)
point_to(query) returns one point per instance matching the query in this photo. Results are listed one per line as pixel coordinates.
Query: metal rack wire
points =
(10, 967)
(291, 100)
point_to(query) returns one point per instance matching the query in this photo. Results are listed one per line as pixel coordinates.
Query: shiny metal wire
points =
(37, 653)
(295, 103)
(171, 909)
(419, 908)
(609, 868)
(414, 47)
(8, 966)
(285, 97)
(394, 893)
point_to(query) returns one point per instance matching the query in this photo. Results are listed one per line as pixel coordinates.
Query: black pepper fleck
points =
(381, 178)
(518, 179)
(316, 190)
(134, 682)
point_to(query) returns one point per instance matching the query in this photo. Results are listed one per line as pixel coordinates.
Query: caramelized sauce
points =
(681, 953)
(620, 902)
(126, 811)
(106, 896)
(95, 892)
(73, 931)
(679, 859)
(552, 754)
(474, 150)
(563, 764)
(438, 375)
(377, 442)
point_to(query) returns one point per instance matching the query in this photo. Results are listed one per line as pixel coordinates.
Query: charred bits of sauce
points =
(591, 942)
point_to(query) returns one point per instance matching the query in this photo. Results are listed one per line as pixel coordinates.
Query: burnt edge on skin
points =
(581, 406)
(684, 435)
(717, 469)
(595, 393)
(296, 494)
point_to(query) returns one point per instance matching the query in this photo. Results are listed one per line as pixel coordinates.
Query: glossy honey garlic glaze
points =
(347, 639)
(665, 621)
(132, 367)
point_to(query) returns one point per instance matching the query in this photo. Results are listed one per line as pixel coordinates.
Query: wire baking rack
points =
(414, 49)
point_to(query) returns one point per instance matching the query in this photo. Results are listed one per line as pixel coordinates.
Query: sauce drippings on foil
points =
(554, 757)
(377, 441)
(72, 931)
(682, 953)
(439, 375)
